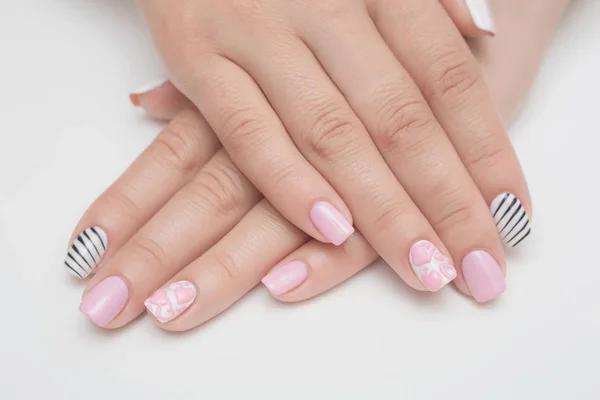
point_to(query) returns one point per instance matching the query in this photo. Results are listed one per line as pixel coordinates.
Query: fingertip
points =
(161, 100)
(285, 278)
(473, 18)
(135, 99)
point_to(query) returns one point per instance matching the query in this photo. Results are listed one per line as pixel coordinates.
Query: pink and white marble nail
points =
(432, 268)
(169, 302)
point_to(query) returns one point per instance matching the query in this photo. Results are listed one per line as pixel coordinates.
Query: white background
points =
(68, 131)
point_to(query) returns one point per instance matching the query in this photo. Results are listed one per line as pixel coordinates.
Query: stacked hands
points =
(331, 115)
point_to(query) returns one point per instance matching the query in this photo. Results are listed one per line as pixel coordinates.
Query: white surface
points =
(68, 131)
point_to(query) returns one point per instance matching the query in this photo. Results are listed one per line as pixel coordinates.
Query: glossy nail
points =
(105, 301)
(483, 276)
(86, 252)
(511, 219)
(483, 17)
(432, 268)
(285, 278)
(169, 302)
(331, 223)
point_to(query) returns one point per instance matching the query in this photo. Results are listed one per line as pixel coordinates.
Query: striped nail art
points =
(511, 219)
(86, 252)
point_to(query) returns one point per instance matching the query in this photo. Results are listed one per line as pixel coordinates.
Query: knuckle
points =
(487, 155)
(148, 250)
(177, 146)
(390, 212)
(332, 135)
(453, 75)
(120, 200)
(457, 210)
(400, 119)
(226, 264)
(244, 129)
(220, 187)
(284, 174)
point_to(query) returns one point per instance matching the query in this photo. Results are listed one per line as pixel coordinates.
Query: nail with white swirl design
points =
(169, 302)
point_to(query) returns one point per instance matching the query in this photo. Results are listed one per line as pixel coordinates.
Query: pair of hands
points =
(448, 154)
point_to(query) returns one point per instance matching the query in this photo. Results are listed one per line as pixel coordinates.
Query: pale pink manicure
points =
(483, 276)
(331, 223)
(105, 301)
(285, 278)
(167, 303)
(433, 269)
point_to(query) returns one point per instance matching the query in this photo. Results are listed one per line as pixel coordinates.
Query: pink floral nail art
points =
(167, 303)
(433, 269)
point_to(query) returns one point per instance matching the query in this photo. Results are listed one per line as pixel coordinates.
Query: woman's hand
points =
(160, 218)
(344, 110)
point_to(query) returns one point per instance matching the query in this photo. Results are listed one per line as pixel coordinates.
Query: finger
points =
(453, 84)
(410, 139)
(227, 271)
(162, 169)
(335, 141)
(472, 17)
(258, 143)
(451, 81)
(195, 218)
(317, 267)
(161, 100)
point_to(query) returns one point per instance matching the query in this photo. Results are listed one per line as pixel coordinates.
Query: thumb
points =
(161, 100)
(472, 17)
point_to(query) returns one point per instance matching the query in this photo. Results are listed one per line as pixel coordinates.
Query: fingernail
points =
(511, 219)
(135, 95)
(433, 269)
(86, 252)
(167, 303)
(483, 17)
(483, 276)
(105, 301)
(285, 278)
(331, 223)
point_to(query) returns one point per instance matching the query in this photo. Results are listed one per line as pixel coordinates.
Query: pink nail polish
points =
(433, 269)
(105, 301)
(285, 278)
(169, 302)
(331, 223)
(483, 276)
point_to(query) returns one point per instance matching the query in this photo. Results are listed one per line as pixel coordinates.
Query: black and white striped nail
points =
(511, 219)
(86, 252)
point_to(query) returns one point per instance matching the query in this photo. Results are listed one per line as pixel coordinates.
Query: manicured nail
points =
(433, 269)
(481, 12)
(483, 276)
(86, 252)
(167, 303)
(285, 278)
(331, 223)
(511, 219)
(105, 301)
(135, 95)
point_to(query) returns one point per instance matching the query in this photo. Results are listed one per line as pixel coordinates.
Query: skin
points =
(402, 146)
(177, 185)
